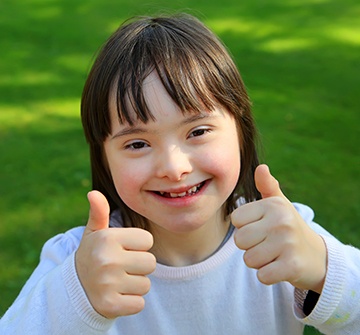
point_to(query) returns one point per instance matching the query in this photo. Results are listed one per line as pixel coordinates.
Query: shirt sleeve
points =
(53, 300)
(337, 310)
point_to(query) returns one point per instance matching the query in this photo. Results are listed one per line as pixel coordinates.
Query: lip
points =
(186, 194)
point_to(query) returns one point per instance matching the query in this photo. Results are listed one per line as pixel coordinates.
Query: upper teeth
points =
(182, 194)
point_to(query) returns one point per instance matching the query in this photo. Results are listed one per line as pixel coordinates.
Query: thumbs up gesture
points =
(112, 263)
(277, 241)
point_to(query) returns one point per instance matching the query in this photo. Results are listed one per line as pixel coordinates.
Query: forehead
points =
(154, 97)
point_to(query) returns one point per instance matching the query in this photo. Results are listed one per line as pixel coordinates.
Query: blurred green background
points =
(299, 60)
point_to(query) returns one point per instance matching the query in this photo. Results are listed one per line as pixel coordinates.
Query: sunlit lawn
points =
(299, 59)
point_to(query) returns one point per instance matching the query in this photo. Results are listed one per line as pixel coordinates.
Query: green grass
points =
(299, 60)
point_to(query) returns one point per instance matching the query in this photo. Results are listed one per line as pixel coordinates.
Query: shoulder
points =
(62, 245)
(308, 216)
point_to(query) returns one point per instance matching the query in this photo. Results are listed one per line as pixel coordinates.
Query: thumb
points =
(265, 183)
(99, 212)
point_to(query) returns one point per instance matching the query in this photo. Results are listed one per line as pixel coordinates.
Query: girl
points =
(187, 233)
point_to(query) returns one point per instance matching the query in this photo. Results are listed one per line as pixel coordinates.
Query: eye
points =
(199, 132)
(136, 145)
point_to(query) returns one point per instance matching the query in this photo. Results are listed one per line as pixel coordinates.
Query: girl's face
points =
(178, 170)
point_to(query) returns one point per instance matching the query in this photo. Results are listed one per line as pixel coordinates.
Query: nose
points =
(173, 163)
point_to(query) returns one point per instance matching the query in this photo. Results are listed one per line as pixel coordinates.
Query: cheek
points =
(127, 183)
(229, 167)
(127, 187)
(224, 163)
(127, 179)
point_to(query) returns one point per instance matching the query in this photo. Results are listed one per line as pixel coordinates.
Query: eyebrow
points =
(132, 130)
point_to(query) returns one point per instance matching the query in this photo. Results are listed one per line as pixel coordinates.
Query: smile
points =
(191, 191)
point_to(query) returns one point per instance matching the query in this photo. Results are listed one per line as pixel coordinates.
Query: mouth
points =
(190, 192)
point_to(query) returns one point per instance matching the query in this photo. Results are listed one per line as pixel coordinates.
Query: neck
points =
(183, 249)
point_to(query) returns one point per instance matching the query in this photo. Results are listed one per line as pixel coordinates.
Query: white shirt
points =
(217, 296)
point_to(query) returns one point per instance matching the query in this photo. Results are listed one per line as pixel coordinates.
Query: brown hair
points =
(196, 71)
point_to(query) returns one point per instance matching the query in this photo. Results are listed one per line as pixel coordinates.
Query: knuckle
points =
(149, 237)
(151, 261)
(237, 239)
(144, 286)
(284, 227)
(264, 277)
(107, 263)
(146, 263)
(142, 234)
(107, 307)
(119, 305)
(286, 221)
(138, 305)
(295, 264)
(103, 236)
(130, 305)
(250, 260)
(277, 201)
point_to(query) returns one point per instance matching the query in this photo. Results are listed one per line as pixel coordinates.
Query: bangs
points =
(186, 68)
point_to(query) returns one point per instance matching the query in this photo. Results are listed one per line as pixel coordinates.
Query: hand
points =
(277, 241)
(112, 263)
